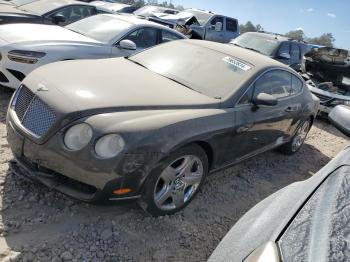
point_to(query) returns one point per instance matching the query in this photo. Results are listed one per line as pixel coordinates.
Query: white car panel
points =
(58, 44)
(14, 33)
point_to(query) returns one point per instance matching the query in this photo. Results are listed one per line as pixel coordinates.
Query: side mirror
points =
(57, 19)
(264, 99)
(284, 56)
(127, 44)
(339, 117)
(218, 26)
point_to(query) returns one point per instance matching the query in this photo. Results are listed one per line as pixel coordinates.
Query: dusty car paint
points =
(154, 115)
(269, 219)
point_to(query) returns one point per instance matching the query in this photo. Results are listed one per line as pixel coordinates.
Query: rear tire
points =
(173, 184)
(298, 139)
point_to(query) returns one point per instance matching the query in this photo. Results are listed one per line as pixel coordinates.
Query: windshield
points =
(204, 70)
(261, 44)
(148, 10)
(103, 28)
(41, 7)
(201, 17)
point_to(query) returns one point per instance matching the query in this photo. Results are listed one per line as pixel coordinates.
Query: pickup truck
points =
(199, 24)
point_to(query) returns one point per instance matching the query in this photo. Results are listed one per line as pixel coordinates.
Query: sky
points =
(314, 17)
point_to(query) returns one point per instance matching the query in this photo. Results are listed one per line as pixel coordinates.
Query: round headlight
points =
(78, 136)
(109, 146)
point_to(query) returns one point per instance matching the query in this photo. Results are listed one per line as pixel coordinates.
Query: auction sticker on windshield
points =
(236, 63)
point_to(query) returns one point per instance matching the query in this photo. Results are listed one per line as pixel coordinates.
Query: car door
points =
(262, 127)
(144, 37)
(213, 34)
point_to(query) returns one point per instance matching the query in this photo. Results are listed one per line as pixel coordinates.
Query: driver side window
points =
(144, 37)
(72, 14)
(276, 83)
(216, 20)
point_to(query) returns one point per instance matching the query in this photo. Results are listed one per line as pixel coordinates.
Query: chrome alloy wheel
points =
(178, 182)
(300, 136)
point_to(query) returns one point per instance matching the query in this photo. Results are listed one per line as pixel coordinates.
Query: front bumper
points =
(12, 73)
(73, 173)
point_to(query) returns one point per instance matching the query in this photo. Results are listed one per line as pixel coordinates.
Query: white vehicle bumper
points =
(12, 73)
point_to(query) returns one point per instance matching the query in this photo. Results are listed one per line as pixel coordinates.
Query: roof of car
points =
(159, 7)
(258, 60)
(108, 4)
(270, 36)
(41, 7)
(132, 19)
(273, 36)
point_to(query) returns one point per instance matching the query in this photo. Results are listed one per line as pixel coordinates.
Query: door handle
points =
(245, 128)
(289, 109)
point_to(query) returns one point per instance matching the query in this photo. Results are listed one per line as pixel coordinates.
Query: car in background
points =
(200, 24)
(99, 36)
(15, 2)
(107, 7)
(278, 47)
(327, 72)
(306, 221)
(59, 12)
(150, 10)
(100, 129)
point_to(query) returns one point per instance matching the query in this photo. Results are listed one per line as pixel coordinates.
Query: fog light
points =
(121, 191)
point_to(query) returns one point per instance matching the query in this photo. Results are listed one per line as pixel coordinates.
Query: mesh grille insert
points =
(25, 96)
(34, 114)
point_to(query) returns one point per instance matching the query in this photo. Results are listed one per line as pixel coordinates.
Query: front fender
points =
(152, 135)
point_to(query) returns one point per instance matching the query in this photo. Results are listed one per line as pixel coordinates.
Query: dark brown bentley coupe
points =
(153, 125)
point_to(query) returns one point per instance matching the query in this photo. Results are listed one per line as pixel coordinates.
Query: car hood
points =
(16, 33)
(3, 2)
(268, 219)
(6, 9)
(110, 85)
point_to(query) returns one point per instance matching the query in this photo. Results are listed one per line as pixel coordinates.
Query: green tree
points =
(326, 39)
(296, 34)
(250, 27)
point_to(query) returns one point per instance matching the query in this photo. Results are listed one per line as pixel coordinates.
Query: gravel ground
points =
(37, 224)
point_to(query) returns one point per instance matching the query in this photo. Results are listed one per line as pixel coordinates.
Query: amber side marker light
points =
(121, 191)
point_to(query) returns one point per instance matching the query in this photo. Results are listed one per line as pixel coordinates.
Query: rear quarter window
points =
(231, 25)
(297, 85)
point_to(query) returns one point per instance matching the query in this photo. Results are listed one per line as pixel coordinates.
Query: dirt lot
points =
(37, 224)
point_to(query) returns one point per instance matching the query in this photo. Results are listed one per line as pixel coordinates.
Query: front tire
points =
(298, 139)
(173, 184)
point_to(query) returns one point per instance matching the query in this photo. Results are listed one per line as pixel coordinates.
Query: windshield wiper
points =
(180, 83)
(76, 32)
(237, 45)
(135, 62)
(172, 79)
(249, 48)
